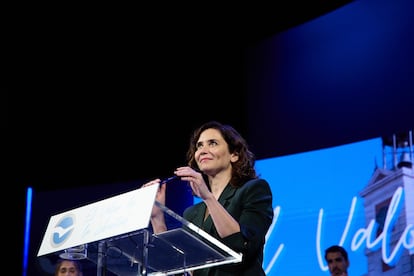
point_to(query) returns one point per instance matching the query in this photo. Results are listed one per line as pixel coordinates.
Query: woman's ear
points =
(234, 157)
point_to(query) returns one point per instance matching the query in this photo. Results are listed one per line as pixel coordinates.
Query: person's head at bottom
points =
(337, 259)
(68, 267)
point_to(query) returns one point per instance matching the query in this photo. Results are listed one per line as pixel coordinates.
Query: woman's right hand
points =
(157, 215)
(160, 196)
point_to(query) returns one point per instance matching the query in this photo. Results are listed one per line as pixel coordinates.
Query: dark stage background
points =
(106, 97)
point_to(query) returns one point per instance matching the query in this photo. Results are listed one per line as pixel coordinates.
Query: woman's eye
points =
(212, 143)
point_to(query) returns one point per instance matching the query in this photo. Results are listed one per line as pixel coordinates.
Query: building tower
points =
(389, 205)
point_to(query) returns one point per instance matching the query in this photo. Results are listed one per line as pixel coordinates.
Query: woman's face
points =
(68, 268)
(212, 154)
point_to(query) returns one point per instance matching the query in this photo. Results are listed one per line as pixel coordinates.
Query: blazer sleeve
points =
(252, 207)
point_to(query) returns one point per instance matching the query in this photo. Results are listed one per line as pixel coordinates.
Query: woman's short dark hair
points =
(243, 169)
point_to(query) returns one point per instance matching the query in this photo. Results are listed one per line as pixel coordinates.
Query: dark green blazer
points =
(251, 206)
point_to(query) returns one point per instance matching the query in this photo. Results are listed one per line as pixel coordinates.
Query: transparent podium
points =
(177, 250)
(135, 250)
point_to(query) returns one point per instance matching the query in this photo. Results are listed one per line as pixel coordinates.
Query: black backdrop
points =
(109, 95)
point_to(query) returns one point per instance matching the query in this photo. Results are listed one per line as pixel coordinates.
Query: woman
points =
(236, 206)
(68, 267)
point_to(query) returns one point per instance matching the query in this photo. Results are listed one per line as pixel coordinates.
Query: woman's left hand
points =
(196, 181)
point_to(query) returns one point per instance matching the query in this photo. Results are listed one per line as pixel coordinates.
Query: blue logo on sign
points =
(63, 229)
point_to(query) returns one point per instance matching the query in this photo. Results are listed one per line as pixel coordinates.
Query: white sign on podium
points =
(100, 220)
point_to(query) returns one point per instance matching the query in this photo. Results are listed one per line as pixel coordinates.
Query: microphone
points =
(169, 179)
(175, 177)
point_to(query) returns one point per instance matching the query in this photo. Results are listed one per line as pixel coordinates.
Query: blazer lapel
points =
(224, 200)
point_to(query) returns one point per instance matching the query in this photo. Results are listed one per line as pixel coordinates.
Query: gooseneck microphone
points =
(169, 179)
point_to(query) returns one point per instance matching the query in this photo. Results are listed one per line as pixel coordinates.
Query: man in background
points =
(337, 259)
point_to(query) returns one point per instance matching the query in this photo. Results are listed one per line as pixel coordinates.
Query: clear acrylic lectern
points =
(134, 249)
(177, 250)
